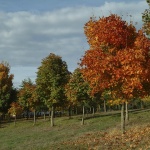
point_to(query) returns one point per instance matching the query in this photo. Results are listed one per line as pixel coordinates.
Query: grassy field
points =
(100, 132)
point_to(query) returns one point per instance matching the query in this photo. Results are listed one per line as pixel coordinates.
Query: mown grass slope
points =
(100, 132)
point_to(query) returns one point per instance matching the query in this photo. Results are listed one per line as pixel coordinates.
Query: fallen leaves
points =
(137, 137)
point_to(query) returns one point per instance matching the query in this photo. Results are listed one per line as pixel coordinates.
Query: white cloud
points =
(27, 37)
(124, 9)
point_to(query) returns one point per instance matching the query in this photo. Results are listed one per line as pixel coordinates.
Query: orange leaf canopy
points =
(118, 58)
(109, 32)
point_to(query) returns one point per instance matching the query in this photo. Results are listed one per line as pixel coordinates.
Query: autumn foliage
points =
(15, 109)
(5, 86)
(136, 137)
(109, 33)
(27, 96)
(118, 58)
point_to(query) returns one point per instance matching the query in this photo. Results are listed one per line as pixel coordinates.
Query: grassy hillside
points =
(101, 132)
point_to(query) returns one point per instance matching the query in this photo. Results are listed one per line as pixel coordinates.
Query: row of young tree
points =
(55, 88)
(115, 68)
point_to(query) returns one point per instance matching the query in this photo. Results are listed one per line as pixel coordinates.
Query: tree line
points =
(114, 72)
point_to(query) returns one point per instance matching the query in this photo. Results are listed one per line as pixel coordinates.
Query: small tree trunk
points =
(49, 116)
(90, 110)
(76, 111)
(54, 112)
(0, 121)
(34, 117)
(117, 107)
(69, 112)
(27, 114)
(99, 108)
(93, 111)
(15, 120)
(52, 116)
(44, 116)
(105, 106)
(127, 113)
(72, 112)
(87, 112)
(9, 118)
(123, 118)
(82, 123)
(142, 106)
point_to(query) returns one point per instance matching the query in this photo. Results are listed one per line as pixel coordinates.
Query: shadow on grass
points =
(114, 113)
(101, 115)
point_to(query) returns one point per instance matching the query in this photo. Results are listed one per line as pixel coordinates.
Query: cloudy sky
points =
(31, 29)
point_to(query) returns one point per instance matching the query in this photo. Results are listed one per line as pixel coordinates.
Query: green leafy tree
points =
(106, 95)
(146, 19)
(78, 90)
(34, 102)
(6, 86)
(52, 77)
(69, 104)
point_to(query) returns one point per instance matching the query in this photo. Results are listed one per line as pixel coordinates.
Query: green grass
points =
(25, 136)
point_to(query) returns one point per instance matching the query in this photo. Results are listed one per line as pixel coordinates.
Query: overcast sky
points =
(31, 29)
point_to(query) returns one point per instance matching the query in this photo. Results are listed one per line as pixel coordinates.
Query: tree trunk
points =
(123, 118)
(90, 110)
(127, 113)
(69, 112)
(54, 112)
(15, 120)
(27, 114)
(76, 111)
(72, 112)
(105, 106)
(82, 123)
(52, 116)
(99, 108)
(34, 117)
(49, 116)
(44, 116)
(93, 111)
(87, 112)
(142, 106)
(9, 118)
(0, 121)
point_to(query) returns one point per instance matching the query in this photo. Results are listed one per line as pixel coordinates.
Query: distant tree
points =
(146, 101)
(146, 19)
(27, 97)
(78, 90)
(69, 104)
(34, 102)
(6, 86)
(118, 59)
(13, 97)
(14, 110)
(52, 77)
(105, 96)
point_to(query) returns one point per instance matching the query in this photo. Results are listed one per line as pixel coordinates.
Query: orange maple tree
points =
(118, 58)
(109, 32)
